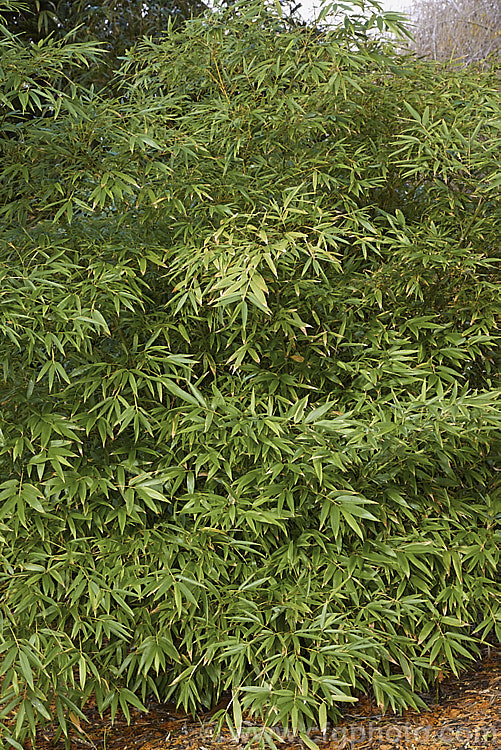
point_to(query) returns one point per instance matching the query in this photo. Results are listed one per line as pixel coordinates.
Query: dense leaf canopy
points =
(248, 399)
(118, 24)
(114, 24)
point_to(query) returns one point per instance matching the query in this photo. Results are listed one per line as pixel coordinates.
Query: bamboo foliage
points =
(249, 397)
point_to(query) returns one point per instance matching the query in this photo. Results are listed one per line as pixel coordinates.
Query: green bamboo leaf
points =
(177, 391)
(318, 412)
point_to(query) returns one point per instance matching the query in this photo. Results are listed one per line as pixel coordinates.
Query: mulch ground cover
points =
(466, 715)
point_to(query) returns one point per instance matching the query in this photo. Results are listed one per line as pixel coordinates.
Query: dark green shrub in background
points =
(248, 406)
(115, 24)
